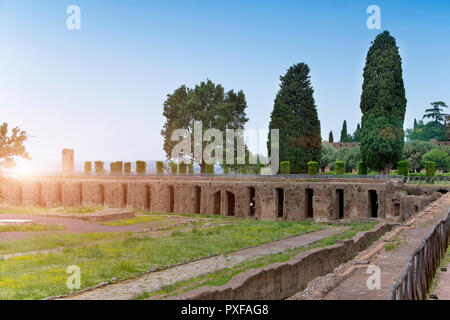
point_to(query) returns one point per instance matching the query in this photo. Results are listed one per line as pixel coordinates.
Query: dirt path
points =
(349, 281)
(155, 280)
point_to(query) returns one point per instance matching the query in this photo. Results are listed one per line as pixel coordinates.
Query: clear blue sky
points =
(100, 89)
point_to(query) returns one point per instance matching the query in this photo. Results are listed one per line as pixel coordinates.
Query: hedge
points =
(403, 168)
(99, 169)
(243, 169)
(182, 168)
(116, 168)
(159, 167)
(362, 168)
(313, 168)
(285, 167)
(127, 168)
(173, 167)
(190, 168)
(226, 170)
(141, 167)
(209, 168)
(339, 167)
(430, 168)
(88, 168)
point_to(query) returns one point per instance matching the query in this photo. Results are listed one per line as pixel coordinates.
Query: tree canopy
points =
(383, 105)
(208, 103)
(11, 146)
(295, 115)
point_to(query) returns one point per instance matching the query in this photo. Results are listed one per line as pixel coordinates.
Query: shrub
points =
(182, 168)
(99, 169)
(430, 168)
(190, 168)
(127, 168)
(243, 169)
(313, 168)
(339, 167)
(403, 168)
(159, 167)
(141, 167)
(88, 168)
(362, 168)
(438, 156)
(285, 167)
(173, 167)
(226, 170)
(209, 168)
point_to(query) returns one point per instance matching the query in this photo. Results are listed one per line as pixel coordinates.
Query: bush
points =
(141, 167)
(243, 169)
(99, 169)
(127, 168)
(190, 168)
(403, 168)
(313, 168)
(173, 167)
(209, 168)
(439, 157)
(88, 168)
(362, 168)
(430, 168)
(182, 168)
(226, 170)
(339, 167)
(159, 167)
(116, 168)
(285, 167)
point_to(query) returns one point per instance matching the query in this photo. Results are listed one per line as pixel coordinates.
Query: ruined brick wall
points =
(273, 198)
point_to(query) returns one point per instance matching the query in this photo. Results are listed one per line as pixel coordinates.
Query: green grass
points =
(43, 275)
(30, 227)
(126, 222)
(222, 277)
(391, 246)
(445, 262)
(56, 241)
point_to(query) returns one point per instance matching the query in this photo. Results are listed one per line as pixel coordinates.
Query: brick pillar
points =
(67, 162)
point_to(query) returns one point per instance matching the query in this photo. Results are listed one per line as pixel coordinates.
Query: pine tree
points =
(295, 115)
(383, 105)
(330, 137)
(344, 134)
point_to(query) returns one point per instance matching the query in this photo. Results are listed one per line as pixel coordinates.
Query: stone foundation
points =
(272, 198)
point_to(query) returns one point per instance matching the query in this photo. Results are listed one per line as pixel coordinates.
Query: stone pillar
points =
(67, 162)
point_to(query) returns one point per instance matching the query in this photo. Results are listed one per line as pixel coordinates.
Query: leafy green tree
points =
(208, 103)
(11, 146)
(330, 137)
(447, 128)
(295, 115)
(425, 132)
(413, 152)
(328, 156)
(383, 105)
(435, 112)
(440, 157)
(351, 157)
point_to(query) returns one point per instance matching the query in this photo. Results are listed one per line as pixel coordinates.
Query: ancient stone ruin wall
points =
(273, 198)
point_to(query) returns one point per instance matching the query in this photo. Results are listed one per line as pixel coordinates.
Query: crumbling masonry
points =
(265, 198)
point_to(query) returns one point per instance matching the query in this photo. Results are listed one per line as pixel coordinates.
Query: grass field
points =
(42, 275)
(30, 227)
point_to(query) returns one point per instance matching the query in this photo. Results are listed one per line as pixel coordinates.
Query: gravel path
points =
(155, 280)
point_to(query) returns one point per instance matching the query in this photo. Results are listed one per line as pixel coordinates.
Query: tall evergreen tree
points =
(330, 137)
(383, 105)
(435, 112)
(295, 115)
(344, 134)
(357, 134)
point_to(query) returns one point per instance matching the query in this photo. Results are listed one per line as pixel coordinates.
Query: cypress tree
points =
(330, 137)
(295, 115)
(383, 105)
(344, 134)
(357, 134)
